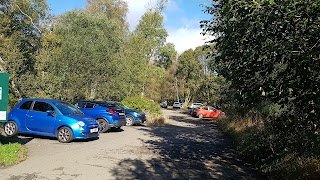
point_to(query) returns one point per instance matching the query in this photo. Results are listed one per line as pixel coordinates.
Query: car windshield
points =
(67, 108)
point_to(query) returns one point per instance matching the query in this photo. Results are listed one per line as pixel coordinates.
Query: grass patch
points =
(11, 150)
(155, 120)
(253, 143)
(12, 153)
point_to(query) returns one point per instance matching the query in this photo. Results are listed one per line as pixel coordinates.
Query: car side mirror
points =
(50, 112)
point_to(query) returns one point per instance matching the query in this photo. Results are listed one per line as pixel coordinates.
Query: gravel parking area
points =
(186, 148)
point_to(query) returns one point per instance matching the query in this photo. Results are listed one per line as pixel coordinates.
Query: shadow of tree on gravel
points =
(196, 150)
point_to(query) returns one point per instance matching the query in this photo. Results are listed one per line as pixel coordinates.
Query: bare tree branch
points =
(2, 69)
(28, 17)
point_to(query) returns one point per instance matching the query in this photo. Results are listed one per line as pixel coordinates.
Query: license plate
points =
(121, 114)
(94, 130)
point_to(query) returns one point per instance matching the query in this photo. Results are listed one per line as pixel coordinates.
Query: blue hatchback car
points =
(132, 116)
(49, 117)
(107, 116)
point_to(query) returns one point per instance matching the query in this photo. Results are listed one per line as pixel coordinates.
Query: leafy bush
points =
(152, 109)
(143, 104)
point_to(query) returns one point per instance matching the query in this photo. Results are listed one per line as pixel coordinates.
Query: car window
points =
(211, 108)
(205, 108)
(26, 105)
(67, 108)
(90, 105)
(80, 104)
(42, 106)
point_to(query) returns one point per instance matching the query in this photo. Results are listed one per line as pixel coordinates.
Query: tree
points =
(188, 73)
(268, 52)
(21, 24)
(112, 9)
(87, 60)
(167, 56)
(142, 50)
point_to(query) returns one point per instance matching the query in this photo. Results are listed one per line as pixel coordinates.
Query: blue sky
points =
(182, 18)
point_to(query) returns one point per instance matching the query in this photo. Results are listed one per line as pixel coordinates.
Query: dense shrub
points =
(143, 104)
(268, 51)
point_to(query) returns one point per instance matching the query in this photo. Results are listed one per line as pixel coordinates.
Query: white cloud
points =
(183, 38)
(136, 9)
(186, 38)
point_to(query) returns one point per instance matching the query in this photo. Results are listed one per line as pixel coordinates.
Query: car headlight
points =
(81, 124)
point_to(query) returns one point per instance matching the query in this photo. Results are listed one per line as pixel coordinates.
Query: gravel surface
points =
(186, 148)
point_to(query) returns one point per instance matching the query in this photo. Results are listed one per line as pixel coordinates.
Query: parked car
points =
(164, 104)
(195, 105)
(176, 105)
(132, 116)
(208, 112)
(49, 117)
(108, 116)
(193, 108)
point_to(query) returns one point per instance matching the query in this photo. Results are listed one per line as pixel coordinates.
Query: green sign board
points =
(4, 91)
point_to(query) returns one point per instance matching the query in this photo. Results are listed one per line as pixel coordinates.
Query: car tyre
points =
(65, 134)
(129, 120)
(103, 125)
(10, 128)
(200, 116)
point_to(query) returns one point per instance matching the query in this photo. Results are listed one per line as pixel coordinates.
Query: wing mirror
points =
(50, 112)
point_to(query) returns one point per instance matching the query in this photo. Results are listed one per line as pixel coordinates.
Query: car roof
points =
(93, 101)
(41, 99)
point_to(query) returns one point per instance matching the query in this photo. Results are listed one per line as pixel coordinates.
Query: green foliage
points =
(11, 154)
(268, 53)
(21, 24)
(143, 104)
(196, 81)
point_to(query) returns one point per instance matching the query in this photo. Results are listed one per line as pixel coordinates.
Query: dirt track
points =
(184, 149)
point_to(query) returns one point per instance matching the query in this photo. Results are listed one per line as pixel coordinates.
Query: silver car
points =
(176, 105)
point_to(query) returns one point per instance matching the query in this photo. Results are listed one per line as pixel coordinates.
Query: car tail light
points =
(111, 111)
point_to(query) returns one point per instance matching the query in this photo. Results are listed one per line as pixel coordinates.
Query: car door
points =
(205, 111)
(21, 113)
(38, 120)
(214, 113)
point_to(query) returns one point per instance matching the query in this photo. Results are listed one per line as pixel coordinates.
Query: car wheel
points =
(200, 116)
(65, 134)
(10, 128)
(103, 125)
(129, 120)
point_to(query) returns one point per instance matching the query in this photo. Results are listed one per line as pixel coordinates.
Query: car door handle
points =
(29, 116)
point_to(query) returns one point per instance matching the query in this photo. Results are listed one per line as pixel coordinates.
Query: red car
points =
(208, 112)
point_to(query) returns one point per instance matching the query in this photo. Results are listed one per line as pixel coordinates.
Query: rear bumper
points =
(118, 123)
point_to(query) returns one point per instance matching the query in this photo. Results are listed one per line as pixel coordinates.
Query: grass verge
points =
(152, 120)
(11, 151)
(251, 142)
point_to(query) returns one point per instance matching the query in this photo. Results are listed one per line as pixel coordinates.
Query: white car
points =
(195, 105)
(176, 105)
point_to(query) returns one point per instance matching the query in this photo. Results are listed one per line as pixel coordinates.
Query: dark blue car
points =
(107, 116)
(132, 116)
(49, 117)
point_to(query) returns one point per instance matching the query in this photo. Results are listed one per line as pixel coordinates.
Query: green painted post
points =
(4, 92)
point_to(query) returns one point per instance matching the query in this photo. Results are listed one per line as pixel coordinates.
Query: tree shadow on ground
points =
(193, 151)
(14, 139)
